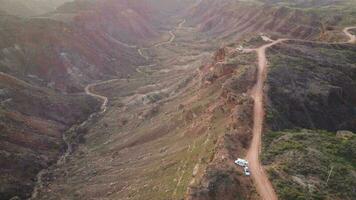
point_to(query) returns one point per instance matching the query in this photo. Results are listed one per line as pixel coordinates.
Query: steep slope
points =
(47, 64)
(235, 19)
(123, 20)
(232, 20)
(32, 120)
(311, 86)
(89, 45)
(323, 99)
(60, 55)
(234, 74)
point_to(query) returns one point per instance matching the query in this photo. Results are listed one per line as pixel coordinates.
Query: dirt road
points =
(140, 52)
(180, 25)
(263, 185)
(98, 96)
(89, 91)
(171, 39)
(39, 184)
(352, 37)
(40, 175)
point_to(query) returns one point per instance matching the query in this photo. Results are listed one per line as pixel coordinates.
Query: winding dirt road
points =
(352, 38)
(171, 39)
(263, 185)
(68, 143)
(89, 91)
(181, 24)
(104, 99)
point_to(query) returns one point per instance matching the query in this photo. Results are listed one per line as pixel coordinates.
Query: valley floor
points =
(142, 146)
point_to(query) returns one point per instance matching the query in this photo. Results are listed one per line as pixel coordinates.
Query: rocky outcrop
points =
(220, 182)
(221, 178)
(220, 55)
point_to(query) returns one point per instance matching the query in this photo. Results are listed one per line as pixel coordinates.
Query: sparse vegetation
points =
(300, 162)
(176, 117)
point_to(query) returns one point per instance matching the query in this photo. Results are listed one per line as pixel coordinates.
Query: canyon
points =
(154, 99)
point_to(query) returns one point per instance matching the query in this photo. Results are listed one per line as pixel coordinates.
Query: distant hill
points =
(304, 3)
(26, 8)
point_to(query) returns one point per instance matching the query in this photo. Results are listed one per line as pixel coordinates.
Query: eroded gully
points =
(89, 91)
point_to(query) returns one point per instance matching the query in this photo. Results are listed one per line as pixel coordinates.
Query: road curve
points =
(171, 39)
(352, 38)
(39, 184)
(180, 25)
(141, 53)
(104, 99)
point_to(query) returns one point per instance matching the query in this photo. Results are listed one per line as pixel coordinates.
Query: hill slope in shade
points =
(33, 120)
(324, 99)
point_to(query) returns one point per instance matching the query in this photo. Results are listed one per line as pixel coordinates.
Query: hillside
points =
(168, 129)
(61, 56)
(307, 114)
(67, 55)
(323, 99)
(27, 8)
(32, 122)
(303, 159)
(153, 99)
(45, 65)
(122, 20)
(233, 20)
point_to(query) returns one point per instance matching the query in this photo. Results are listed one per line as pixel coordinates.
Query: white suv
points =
(247, 171)
(241, 162)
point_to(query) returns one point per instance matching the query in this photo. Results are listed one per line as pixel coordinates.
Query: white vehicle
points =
(241, 162)
(240, 48)
(247, 171)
